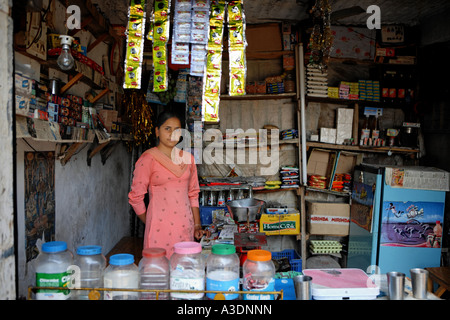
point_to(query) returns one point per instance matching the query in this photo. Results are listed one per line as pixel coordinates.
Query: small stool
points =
(440, 275)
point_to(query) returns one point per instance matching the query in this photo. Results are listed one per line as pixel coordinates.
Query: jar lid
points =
(153, 252)
(187, 247)
(259, 255)
(54, 246)
(89, 250)
(121, 259)
(223, 249)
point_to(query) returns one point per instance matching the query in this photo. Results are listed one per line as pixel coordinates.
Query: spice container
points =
(222, 271)
(92, 264)
(52, 266)
(258, 272)
(154, 273)
(187, 271)
(121, 273)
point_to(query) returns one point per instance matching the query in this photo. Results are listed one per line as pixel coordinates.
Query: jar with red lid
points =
(154, 273)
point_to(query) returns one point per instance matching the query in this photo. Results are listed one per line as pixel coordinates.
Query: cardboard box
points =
(344, 124)
(325, 218)
(321, 162)
(264, 37)
(108, 117)
(328, 135)
(280, 224)
(346, 162)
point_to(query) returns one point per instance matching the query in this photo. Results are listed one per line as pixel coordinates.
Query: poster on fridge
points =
(412, 224)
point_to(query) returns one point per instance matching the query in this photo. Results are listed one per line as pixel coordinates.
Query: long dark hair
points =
(164, 116)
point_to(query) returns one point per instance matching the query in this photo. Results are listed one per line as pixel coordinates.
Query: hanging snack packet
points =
(237, 82)
(217, 14)
(235, 13)
(210, 108)
(237, 59)
(236, 36)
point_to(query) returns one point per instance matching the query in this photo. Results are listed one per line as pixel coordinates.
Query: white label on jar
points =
(177, 283)
(60, 280)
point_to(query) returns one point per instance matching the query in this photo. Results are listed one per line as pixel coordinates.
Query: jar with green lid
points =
(222, 271)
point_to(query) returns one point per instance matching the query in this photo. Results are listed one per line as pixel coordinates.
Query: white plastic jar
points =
(154, 273)
(122, 273)
(258, 275)
(222, 271)
(187, 271)
(91, 263)
(52, 270)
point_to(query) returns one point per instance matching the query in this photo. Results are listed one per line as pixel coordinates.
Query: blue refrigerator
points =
(396, 218)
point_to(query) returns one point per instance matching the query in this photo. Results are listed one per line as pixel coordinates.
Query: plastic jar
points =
(258, 271)
(222, 271)
(92, 264)
(187, 271)
(121, 273)
(52, 270)
(154, 270)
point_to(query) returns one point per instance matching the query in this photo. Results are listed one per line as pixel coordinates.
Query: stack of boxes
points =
(317, 82)
(344, 125)
(369, 90)
(349, 90)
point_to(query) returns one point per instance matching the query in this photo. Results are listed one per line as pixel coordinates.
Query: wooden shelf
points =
(360, 148)
(259, 96)
(336, 193)
(274, 190)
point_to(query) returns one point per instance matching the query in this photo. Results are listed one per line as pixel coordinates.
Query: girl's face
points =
(170, 132)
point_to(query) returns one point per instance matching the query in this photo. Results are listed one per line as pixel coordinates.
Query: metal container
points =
(396, 285)
(303, 287)
(248, 209)
(419, 280)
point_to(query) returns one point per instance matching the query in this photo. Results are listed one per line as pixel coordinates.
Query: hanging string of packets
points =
(135, 45)
(140, 115)
(159, 34)
(190, 34)
(236, 49)
(321, 39)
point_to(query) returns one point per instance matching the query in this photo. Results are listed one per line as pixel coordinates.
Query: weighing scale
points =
(244, 242)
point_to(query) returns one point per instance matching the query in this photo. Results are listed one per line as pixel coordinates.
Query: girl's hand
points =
(199, 232)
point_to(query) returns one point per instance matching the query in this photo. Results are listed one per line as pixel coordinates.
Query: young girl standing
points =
(169, 175)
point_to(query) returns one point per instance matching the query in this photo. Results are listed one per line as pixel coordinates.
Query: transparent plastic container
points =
(92, 264)
(121, 273)
(258, 271)
(187, 271)
(52, 270)
(154, 270)
(222, 271)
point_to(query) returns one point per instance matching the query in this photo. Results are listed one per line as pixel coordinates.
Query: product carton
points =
(325, 218)
(321, 163)
(280, 224)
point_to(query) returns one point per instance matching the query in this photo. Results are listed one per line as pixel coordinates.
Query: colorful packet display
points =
(212, 78)
(161, 32)
(236, 47)
(135, 45)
